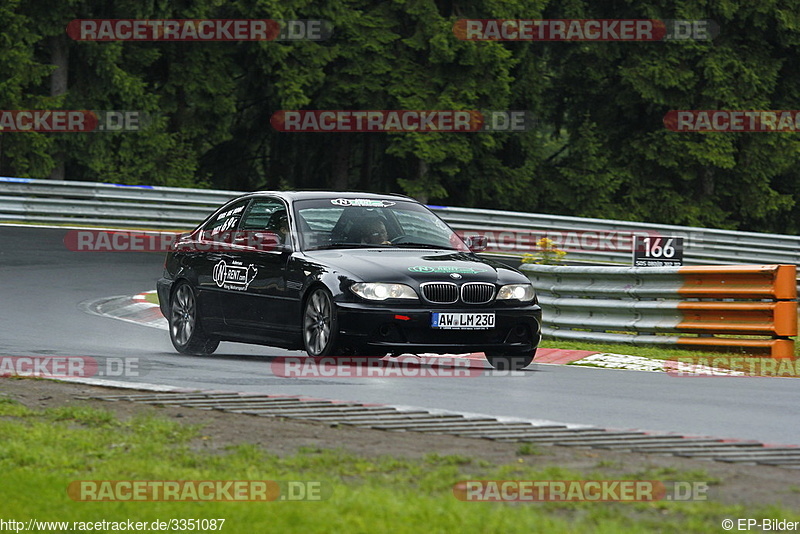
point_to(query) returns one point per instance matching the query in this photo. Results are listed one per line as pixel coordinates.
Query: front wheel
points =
(185, 330)
(320, 327)
(510, 362)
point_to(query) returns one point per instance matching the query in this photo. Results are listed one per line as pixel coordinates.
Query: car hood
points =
(407, 265)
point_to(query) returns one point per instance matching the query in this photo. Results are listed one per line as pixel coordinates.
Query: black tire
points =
(510, 362)
(320, 325)
(185, 330)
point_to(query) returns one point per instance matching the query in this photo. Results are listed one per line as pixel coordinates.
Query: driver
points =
(374, 232)
(279, 223)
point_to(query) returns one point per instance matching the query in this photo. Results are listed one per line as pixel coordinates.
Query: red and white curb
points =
(135, 309)
(138, 310)
(640, 363)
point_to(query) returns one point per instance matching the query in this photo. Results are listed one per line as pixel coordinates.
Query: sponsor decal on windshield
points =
(444, 269)
(362, 202)
(234, 277)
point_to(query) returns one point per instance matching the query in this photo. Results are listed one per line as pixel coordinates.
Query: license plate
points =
(462, 321)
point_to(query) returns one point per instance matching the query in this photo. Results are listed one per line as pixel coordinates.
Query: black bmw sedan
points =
(343, 273)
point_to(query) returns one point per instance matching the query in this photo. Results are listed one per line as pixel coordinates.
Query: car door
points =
(256, 300)
(203, 255)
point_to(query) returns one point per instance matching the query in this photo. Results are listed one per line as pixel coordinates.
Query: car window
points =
(351, 223)
(224, 222)
(259, 214)
(267, 215)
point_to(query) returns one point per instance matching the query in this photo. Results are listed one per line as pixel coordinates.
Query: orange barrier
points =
(777, 348)
(748, 307)
(747, 318)
(777, 318)
(740, 281)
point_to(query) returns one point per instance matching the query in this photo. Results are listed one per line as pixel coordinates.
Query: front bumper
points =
(408, 330)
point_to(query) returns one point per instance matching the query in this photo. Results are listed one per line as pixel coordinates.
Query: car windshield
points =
(365, 223)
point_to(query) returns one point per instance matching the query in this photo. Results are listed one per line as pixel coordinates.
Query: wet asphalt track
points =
(42, 284)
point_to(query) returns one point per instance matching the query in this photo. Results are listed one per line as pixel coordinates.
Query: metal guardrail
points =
(90, 203)
(591, 240)
(610, 241)
(710, 306)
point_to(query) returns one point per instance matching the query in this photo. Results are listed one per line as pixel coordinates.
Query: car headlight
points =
(381, 291)
(521, 292)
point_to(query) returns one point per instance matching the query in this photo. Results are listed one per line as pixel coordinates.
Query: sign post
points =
(657, 251)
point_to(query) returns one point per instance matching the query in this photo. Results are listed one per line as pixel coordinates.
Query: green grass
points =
(43, 451)
(528, 449)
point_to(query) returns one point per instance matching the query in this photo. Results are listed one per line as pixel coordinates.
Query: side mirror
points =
(477, 243)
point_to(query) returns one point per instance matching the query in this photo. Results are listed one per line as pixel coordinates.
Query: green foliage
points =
(599, 147)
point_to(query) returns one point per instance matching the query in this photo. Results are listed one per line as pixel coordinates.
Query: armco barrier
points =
(108, 205)
(515, 233)
(688, 306)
